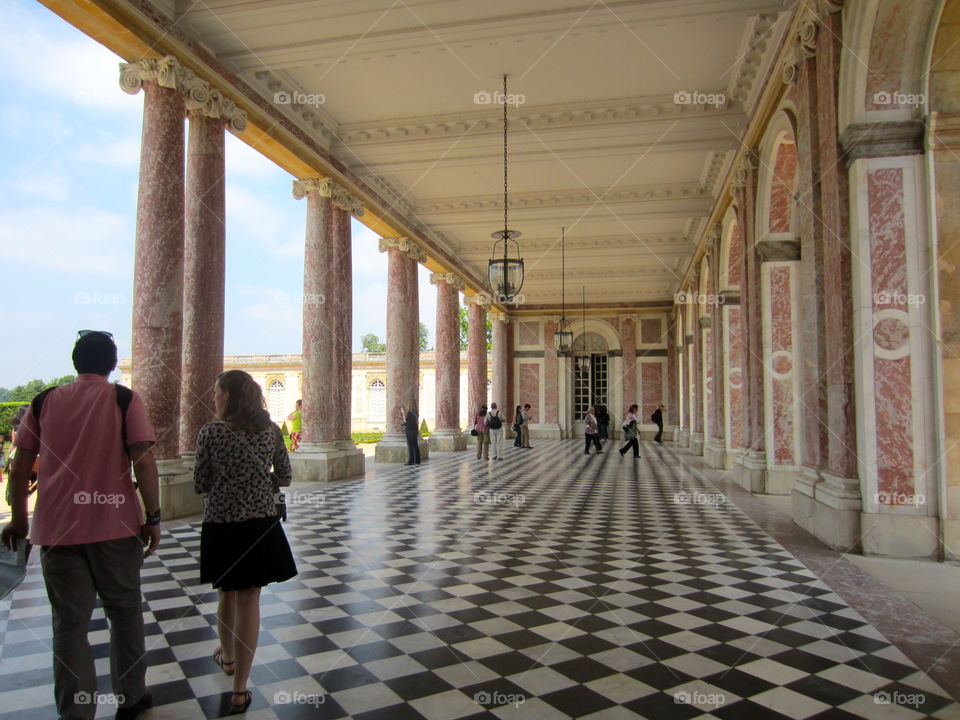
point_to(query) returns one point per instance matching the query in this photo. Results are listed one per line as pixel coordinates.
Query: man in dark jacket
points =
(657, 418)
(411, 428)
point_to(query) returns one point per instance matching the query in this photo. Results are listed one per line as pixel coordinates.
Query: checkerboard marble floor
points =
(546, 585)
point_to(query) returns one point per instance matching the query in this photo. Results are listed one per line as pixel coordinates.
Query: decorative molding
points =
(718, 159)
(558, 198)
(449, 278)
(748, 163)
(831, 6)
(405, 246)
(705, 322)
(198, 96)
(943, 131)
(729, 297)
(528, 353)
(807, 35)
(481, 299)
(791, 67)
(652, 352)
(751, 58)
(713, 233)
(488, 121)
(883, 139)
(778, 250)
(499, 316)
(313, 118)
(326, 187)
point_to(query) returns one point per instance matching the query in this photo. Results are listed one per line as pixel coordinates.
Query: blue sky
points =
(70, 154)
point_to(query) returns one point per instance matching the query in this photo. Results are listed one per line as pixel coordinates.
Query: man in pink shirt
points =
(89, 524)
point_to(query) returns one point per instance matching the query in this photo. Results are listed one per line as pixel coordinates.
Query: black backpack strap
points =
(36, 405)
(124, 398)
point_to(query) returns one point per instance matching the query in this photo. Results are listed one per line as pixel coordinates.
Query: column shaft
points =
(500, 369)
(158, 265)
(337, 307)
(403, 349)
(319, 341)
(476, 357)
(203, 275)
(448, 357)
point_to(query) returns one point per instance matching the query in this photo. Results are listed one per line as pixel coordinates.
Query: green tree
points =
(424, 338)
(465, 330)
(371, 344)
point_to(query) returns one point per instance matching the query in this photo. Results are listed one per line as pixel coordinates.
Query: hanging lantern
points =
(504, 271)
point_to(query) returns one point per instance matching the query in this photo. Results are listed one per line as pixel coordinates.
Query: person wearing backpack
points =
(494, 421)
(657, 418)
(92, 531)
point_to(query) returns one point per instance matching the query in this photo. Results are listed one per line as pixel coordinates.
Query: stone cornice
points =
(325, 187)
(405, 246)
(481, 299)
(752, 58)
(449, 278)
(198, 95)
(883, 139)
(943, 131)
(712, 173)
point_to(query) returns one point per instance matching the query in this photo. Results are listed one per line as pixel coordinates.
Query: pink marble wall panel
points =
(893, 395)
(735, 377)
(892, 37)
(651, 373)
(782, 365)
(651, 331)
(628, 341)
(735, 252)
(529, 333)
(781, 191)
(707, 349)
(530, 389)
(551, 392)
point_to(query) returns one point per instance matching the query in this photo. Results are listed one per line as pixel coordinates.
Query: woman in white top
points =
(590, 431)
(494, 421)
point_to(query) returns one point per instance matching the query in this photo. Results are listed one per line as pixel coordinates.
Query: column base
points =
(828, 507)
(911, 537)
(751, 471)
(446, 441)
(323, 462)
(951, 540)
(546, 431)
(177, 496)
(393, 449)
(715, 454)
(696, 443)
(681, 436)
(780, 480)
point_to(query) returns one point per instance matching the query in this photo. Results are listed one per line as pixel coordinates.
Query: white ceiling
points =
(598, 144)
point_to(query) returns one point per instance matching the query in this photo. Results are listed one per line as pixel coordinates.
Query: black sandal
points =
(237, 709)
(218, 659)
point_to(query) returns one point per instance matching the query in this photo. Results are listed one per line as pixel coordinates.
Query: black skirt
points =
(241, 555)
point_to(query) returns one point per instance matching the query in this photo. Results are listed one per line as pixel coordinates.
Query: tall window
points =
(378, 401)
(589, 382)
(275, 396)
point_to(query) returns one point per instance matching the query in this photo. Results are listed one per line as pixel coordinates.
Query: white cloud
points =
(117, 153)
(78, 240)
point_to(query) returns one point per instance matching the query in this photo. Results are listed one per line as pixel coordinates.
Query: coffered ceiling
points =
(625, 117)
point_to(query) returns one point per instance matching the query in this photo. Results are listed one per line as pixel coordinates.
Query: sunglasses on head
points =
(84, 333)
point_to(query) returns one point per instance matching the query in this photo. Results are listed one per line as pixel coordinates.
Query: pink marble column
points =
(319, 342)
(551, 379)
(628, 344)
(203, 274)
(476, 355)
(158, 262)
(673, 380)
(403, 346)
(446, 435)
(501, 362)
(338, 309)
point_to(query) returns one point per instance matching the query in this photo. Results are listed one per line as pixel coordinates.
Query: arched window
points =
(378, 401)
(275, 396)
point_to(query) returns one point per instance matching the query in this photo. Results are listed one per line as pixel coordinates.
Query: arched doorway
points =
(590, 361)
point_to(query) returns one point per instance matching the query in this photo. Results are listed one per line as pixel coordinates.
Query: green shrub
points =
(366, 437)
(7, 411)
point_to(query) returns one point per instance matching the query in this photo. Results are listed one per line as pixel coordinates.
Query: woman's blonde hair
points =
(245, 409)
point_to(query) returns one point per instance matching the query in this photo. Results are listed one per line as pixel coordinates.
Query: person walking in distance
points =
(411, 429)
(483, 433)
(525, 427)
(657, 418)
(494, 421)
(240, 457)
(590, 432)
(603, 423)
(630, 432)
(517, 421)
(90, 527)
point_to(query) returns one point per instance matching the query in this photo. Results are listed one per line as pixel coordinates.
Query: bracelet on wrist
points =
(153, 518)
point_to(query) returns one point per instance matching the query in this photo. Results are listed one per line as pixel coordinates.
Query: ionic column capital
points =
(499, 316)
(198, 96)
(713, 234)
(480, 299)
(327, 188)
(405, 245)
(449, 278)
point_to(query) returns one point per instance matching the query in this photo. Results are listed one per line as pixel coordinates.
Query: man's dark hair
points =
(95, 353)
(527, 406)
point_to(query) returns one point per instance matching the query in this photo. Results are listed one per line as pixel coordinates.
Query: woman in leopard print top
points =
(242, 544)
